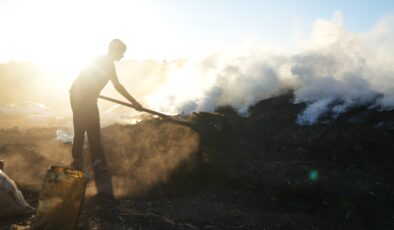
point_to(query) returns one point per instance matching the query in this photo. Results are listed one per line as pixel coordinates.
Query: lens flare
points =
(313, 175)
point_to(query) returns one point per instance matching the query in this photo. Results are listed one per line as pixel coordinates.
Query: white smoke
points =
(328, 95)
(220, 80)
(340, 69)
(333, 71)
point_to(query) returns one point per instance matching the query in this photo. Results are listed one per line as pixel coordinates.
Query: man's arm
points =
(119, 87)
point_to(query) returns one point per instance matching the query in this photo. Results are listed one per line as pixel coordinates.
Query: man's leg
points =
(78, 141)
(79, 135)
(103, 179)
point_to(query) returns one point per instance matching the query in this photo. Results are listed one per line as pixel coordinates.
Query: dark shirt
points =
(93, 78)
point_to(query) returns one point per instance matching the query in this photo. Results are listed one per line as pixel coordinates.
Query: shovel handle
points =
(131, 106)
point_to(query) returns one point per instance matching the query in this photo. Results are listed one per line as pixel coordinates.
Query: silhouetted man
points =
(83, 98)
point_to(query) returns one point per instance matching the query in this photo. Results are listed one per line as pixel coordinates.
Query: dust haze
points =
(139, 157)
(147, 155)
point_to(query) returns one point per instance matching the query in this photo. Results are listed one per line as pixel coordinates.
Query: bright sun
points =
(63, 35)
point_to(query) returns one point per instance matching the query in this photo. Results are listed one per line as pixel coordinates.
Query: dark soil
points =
(259, 172)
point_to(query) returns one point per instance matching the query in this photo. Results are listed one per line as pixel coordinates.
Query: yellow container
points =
(61, 199)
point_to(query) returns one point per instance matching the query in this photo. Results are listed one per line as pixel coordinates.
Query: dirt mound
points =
(337, 169)
(224, 172)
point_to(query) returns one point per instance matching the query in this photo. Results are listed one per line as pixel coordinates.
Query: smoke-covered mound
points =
(338, 170)
(358, 137)
(336, 173)
(255, 172)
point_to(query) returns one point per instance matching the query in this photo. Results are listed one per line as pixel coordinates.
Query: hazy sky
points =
(266, 48)
(49, 30)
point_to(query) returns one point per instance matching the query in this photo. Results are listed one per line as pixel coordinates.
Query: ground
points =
(258, 172)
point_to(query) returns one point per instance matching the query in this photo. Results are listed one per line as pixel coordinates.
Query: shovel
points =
(162, 115)
(210, 126)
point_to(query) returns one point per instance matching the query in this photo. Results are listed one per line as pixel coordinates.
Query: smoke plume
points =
(333, 71)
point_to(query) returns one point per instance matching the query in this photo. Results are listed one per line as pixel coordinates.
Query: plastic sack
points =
(60, 199)
(12, 202)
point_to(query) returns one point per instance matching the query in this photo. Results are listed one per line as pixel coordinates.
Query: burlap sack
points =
(12, 202)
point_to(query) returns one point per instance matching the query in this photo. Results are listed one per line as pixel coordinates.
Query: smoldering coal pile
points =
(339, 170)
(337, 173)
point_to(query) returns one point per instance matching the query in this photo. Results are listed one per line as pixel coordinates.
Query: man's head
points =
(116, 49)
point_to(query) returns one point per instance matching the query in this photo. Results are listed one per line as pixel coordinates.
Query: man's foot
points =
(106, 196)
(77, 165)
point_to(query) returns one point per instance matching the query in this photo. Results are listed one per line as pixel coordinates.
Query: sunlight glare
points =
(65, 37)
